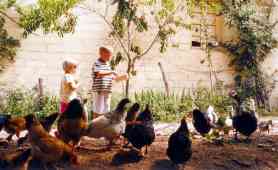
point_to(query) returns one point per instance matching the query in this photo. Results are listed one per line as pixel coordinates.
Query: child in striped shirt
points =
(103, 76)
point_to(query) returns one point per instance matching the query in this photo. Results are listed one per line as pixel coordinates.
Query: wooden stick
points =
(164, 79)
(40, 87)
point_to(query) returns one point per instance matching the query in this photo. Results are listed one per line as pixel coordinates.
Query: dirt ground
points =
(260, 154)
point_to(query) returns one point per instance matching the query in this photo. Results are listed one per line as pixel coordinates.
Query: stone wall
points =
(42, 55)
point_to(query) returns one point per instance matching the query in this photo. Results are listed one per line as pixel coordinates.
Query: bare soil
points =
(260, 154)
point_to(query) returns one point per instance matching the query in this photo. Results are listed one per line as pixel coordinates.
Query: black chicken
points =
(142, 134)
(131, 119)
(72, 123)
(48, 121)
(3, 120)
(179, 145)
(244, 122)
(201, 122)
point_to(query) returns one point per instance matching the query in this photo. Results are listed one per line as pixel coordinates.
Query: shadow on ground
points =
(126, 157)
(163, 164)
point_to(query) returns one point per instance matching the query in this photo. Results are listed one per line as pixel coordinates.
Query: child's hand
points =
(125, 76)
(121, 77)
(114, 73)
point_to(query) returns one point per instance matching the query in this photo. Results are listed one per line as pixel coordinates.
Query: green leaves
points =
(255, 42)
(50, 15)
(164, 34)
(175, 106)
(11, 3)
(116, 60)
(136, 49)
(22, 102)
(170, 5)
(8, 44)
(141, 24)
(119, 27)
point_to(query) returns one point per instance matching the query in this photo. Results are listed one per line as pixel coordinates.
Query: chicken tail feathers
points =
(49, 120)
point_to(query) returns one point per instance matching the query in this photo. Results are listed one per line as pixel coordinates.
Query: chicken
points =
(225, 123)
(265, 126)
(3, 120)
(110, 125)
(72, 123)
(13, 126)
(244, 120)
(142, 133)
(15, 161)
(179, 145)
(212, 116)
(201, 122)
(131, 119)
(46, 122)
(45, 147)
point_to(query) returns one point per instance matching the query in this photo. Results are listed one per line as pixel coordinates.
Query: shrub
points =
(165, 108)
(23, 102)
(175, 106)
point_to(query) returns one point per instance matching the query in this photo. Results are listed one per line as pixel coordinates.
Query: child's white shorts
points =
(101, 102)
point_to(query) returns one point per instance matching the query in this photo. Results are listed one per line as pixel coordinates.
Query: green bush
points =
(165, 108)
(175, 106)
(22, 102)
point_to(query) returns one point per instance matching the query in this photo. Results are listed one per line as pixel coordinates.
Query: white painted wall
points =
(41, 56)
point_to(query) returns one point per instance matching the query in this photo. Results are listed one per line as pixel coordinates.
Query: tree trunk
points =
(40, 91)
(127, 81)
(127, 88)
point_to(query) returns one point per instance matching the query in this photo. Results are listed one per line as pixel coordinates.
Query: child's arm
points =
(74, 85)
(105, 73)
(71, 82)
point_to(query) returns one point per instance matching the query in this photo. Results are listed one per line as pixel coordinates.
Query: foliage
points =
(50, 15)
(8, 44)
(255, 42)
(23, 102)
(131, 19)
(175, 106)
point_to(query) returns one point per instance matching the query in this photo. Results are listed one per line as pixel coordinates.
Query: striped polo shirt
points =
(101, 84)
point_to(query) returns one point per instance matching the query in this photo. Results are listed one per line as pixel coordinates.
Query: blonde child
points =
(69, 84)
(102, 76)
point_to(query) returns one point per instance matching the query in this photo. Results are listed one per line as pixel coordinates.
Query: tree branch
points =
(9, 17)
(13, 20)
(157, 35)
(128, 41)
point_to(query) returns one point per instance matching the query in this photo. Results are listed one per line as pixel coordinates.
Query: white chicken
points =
(212, 116)
(110, 125)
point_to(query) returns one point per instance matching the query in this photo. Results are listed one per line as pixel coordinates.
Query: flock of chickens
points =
(136, 127)
(72, 125)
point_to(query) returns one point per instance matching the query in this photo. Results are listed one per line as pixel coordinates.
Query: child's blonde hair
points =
(69, 62)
